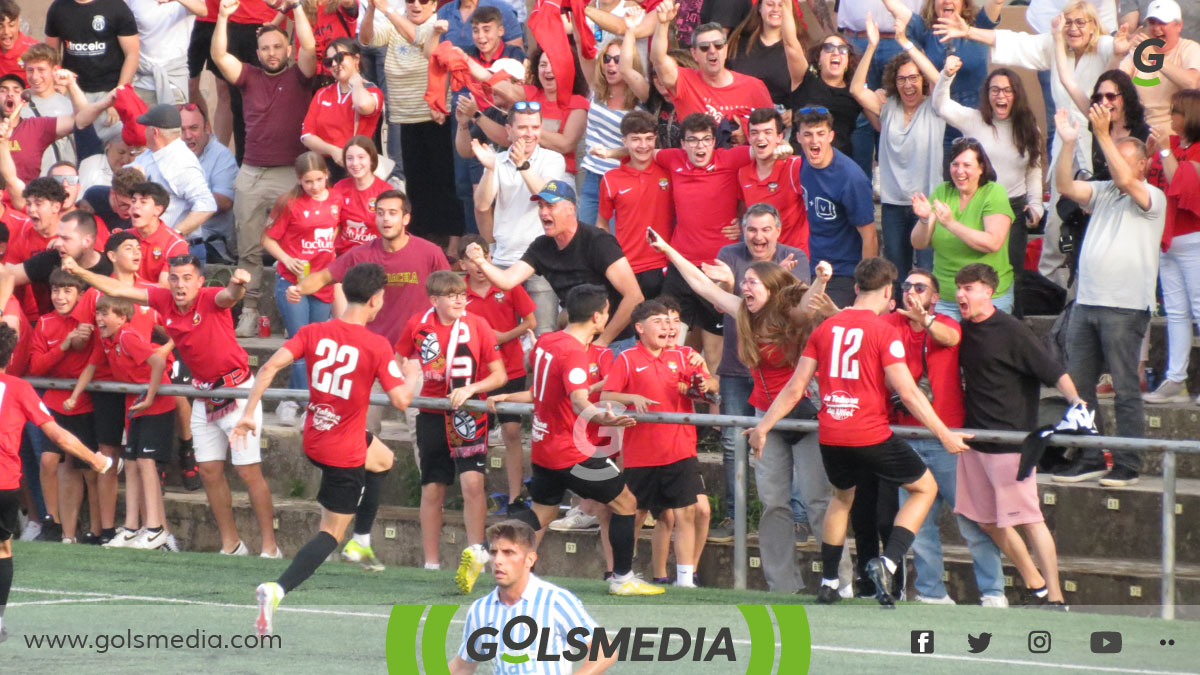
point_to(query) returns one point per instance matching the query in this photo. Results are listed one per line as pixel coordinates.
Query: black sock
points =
(307, 560)
(898, 543)
(368, 506)
(6, 575)
(526, 516)
(109, 532)
(831, 557)
(155, 530)
(620, 537)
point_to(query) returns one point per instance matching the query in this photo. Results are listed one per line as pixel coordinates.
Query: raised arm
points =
(407, 29)
(306, 56)
(871, 101)
(664, 65)
(706, 288)
(13, 184)
(956, 114)
(1068, 130)
(634, 79)
(797, 61)
(1064, 65)
(503, 279)
(235, 291)
(993, 8)
(951, 27)
(228, 64)
(928, 70)
(106, 285)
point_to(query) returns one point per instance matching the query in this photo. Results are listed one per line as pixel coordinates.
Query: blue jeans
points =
(898, 222)
(735, 400)
(31, 467)
(199, 250)
(589, 198)
(467, 172)
(308, 310)
(927, 546)
(1002, 302)
(393, 150)
(1043, 77)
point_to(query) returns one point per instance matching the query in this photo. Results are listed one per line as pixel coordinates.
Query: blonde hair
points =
(1089, 13)
(601, 82)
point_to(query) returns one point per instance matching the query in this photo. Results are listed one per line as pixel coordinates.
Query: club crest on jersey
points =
(464, 425)
(371, 203)
(323, 417)
(840, 405)
(196, 318)
(672, 365)
(663, 183)
(157, 253)
(98, 23)
(772, 186)
(498, 296)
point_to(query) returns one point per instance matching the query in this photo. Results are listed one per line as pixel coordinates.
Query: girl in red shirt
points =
(304, 224)
(357, 193)
(562, 128)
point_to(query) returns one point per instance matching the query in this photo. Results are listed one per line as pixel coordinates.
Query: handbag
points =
(922, 382)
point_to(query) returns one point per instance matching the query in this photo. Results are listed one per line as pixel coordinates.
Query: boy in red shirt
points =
(510, 314)
(453, 347)
(774, 181)
(159, 242)
(61, 347)
(151, 420)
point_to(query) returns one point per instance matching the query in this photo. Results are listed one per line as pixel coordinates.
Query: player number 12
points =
(852, 341)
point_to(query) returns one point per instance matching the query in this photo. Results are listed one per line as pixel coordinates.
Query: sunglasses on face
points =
(918, 287)
(612, 58)
(68, 180)
(423, 2)
(713, 45)
(834, 48)
(1105, 96)
(527, 106)
(336, 58)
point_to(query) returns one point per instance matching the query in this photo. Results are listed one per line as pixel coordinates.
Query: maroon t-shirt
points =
(29, 142)
(274, 107)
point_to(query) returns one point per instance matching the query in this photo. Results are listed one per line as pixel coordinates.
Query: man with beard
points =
(275, 99)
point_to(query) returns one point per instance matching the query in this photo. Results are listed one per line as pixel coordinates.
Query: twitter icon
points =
(978, 644)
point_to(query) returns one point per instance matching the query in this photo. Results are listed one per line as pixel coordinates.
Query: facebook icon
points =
(922, 642)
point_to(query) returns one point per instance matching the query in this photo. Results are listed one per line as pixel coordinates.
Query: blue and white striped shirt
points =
(550, 607)
(603, 131)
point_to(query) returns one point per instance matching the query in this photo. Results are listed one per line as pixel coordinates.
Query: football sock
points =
(620, 537)
(433, 566)
(185, 452)
(363, 540)
(528, 517)
(307, 560)
(368, 506)
(683, 574)
(898, 543)
(831, 557)
(1039, 592)
(6, 575)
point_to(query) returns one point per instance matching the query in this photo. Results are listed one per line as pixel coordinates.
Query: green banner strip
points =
(762, 639)
(401, 647)
(795, 640)
(433, 639)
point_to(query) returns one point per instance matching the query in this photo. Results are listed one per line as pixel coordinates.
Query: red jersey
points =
(851, 349)
(127, 353)
(944, 379)
(203, 334)
(632, 201)
(469, 343)
(772, 373)
(24, 242)
(157, 248)
(504, 310)
(49, 360)
(637, 371)
(19, 362)
(781, 189)
(18, 404)
(737, 100)
(248, 12)
(343, 361)
(143, 320)
(10, 61)
(356, 218)
(599, 363)
(705, 200)
(305, 229)
(560, 366)
(332, 118)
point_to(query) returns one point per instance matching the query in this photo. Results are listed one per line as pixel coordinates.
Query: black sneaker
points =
(1078, 472)
(106, 535)
(722, 533)
(1031, 599)
(608, 575)
(666, 581)
(827, 595)
(51, 531)
(1120, 476)
(864, 588)
(89, 538)
(878, 572)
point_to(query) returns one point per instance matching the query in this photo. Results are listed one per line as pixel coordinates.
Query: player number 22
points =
(332, 383)
(843, 364)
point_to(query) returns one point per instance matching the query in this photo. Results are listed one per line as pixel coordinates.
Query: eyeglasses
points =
(1000, 91)
(808, 110)
(527, 106)
(423, 2)
(712, 45)
(68, 180)
(336, 58)
(701, 140)
(1105, 96)
(454, 296)
(902, 79)
(918, 287)
(610, 58)
(834, 48)
(1076, 23)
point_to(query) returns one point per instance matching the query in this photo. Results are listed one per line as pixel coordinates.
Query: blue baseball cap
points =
(555, 191)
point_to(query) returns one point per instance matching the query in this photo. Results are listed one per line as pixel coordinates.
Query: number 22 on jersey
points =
(334, 382)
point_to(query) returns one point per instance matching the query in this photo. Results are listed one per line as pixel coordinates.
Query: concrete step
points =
(396, 540)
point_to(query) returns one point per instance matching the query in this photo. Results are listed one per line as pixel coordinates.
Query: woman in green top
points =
(966, 220)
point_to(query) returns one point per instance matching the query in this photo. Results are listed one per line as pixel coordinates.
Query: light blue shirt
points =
(220, 170)
(176, 168)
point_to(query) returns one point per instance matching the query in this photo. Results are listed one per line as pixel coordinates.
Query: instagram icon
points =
(1039, 642)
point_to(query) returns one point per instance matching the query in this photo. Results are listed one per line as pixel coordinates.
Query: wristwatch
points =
(1164, 153)
(523, 166)
(929, 320)
(477, 114)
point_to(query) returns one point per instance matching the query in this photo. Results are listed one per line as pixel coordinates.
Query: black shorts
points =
(651, 282)
(10, 508)
(151, 437)
(892, 460)
(670, 486)
(694, 310)
(179, 371)
(595, 478)
(512, 387)
(110, 417)
(433, 450)
(341, 486)
(243, 43)
(83, 427)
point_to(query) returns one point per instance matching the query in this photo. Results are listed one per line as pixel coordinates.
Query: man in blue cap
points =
(568, 256)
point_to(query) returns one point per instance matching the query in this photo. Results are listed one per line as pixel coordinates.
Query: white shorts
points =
(211, 439)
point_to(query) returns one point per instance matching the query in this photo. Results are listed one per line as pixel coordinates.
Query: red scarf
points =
(545, 23)
(446, 60)
(129, 107)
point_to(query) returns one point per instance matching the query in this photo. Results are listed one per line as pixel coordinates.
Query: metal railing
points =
(1169, 448)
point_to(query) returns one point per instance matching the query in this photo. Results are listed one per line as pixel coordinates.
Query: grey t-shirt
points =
(737, 256)
(1118, 261)
(910, 156)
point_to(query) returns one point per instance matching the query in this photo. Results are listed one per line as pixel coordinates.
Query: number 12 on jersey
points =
(846, 344)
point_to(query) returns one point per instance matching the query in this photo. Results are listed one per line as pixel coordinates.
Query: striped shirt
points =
(550, 607)
(603, 131)
(407, 72)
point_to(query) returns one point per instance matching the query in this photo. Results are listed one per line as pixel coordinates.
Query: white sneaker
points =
(68, 540)
(172, 544)
(240, 549)
(575, 520)
(278, 554)
(846, 591)
(247, 324)
(993, 601)
(125, 538)
(268, 596)
(944, 600)
(149, 541)
(287, 412)
(1168, 392)
(32, 530)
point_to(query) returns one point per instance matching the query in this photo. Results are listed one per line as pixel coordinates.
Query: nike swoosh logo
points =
(638, 370)
(52, 342)
(621, 192)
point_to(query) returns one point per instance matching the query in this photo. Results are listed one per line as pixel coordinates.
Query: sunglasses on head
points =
(919, 287)
(336, 58)
(612, 58)
(831, 47)
(820, 110)
(527, 106)
(712, 45)
(1105, 96)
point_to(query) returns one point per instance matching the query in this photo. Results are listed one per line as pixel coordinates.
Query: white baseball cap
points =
(1165, 11)
(513, 67)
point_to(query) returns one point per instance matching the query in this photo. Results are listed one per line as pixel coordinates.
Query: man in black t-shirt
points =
(76, 238)
(568, 256)
(1003, 366)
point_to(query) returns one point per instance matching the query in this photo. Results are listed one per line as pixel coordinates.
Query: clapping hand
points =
(788, 263)
(485, 154)
(921, 207)
(942, 212)
(465, 110)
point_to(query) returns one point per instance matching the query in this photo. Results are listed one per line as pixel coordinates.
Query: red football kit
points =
(633, 201)
(356, 218)
(851, 349)
(599, 363)
(781, 189)
(126, 353)
(705, 200)
(203, 334)
(637, 371)
(157, 248)
(143, 320)
(49, 360)
(24, 242)
(343, 361)
(560, 366)
(504, 310)
(772, 373)
(19, 361)
(940, 364)
(305, 229)
(737, 100)
(18, 404)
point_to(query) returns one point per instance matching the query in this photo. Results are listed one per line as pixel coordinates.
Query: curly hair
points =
(814, 56)
(772, 324)
(1135, 112)
(892, 69)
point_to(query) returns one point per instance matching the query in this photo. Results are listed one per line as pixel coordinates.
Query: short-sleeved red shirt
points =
(157, 248)
(331, 116)
(426, 337)
(945, 379)
(24, 242)
(10, 61)
(305, 229)
(705, 200)
(143, 320)
(770, 376)
(560, 366)
(851, 349)
(633, 201)
(599, 363)
(203, 333)
(503, 310)
(19, 361)
(557, 116)
(637, 371)
(49, 360)
(782, 190)
(737, 100)
(18, 404)
(343, 361)
(126, 353)
(356, 218)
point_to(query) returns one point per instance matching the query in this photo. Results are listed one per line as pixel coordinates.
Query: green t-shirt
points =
(951, 254)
